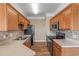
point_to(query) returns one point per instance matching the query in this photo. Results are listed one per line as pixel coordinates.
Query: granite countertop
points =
(67, 42)
(16, 48)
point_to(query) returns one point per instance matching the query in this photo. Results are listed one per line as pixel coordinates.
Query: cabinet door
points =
(58, 52)
(65, 18)
(56, 49)
(12, 18)
(50, 22)
(61, 21)
(21, 19)
(2, 17)
(68, 17)
(75, 12)
(55, 19)
(25, 23)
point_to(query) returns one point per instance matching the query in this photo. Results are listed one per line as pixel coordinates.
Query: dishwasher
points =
(49, 43)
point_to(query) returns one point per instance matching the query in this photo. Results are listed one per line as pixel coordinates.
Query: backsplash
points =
(72, 34)
(5, 35)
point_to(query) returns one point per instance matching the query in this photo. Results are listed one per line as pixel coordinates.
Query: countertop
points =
(16, 48)
(67, 42)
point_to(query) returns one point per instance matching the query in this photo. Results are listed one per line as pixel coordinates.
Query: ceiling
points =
(44, 8)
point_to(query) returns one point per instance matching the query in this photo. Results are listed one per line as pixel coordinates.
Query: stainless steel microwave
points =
(55, 26)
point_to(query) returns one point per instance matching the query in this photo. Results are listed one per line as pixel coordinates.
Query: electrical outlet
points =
(74, 36)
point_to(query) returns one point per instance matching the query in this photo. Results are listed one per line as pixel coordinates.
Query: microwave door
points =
(55, 26)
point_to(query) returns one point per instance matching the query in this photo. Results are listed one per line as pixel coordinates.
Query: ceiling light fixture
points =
(35, 8)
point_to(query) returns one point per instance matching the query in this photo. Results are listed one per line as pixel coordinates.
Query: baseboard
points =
(39, 40)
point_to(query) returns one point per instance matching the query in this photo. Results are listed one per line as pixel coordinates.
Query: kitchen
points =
(51, 32)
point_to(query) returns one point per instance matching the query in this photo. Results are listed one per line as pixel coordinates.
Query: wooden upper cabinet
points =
(24, 21)
(54, 20)
(50, 21)
(75, 22)
(21, 19)
(3, 17)
(66, 17)
(12, 17)
(61, 21)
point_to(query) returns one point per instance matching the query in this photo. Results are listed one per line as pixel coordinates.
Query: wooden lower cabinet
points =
(70, 51)
(28, 43)
(64, 51)
(56, 49)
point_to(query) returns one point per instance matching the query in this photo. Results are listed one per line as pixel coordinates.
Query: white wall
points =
(47, 25)
(39, 25)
